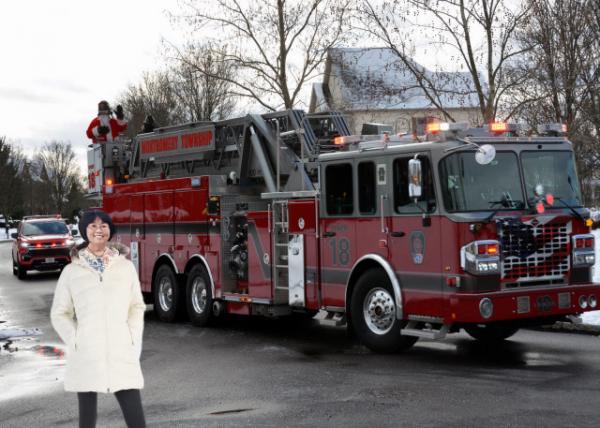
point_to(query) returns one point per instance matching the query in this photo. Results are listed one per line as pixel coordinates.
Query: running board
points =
(426, 332)
(333, 319)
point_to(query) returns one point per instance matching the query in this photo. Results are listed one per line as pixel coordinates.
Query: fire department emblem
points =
(266, 258)
(417, 247)
(137, 233)
(301, 223)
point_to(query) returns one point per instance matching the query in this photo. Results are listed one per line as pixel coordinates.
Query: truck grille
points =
(535, 251)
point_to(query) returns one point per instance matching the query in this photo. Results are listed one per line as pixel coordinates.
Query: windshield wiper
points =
(556, 198)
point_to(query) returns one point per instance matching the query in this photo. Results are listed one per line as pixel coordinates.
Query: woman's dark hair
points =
(90, 216)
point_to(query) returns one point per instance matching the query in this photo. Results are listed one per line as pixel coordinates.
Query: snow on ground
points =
(594, 316)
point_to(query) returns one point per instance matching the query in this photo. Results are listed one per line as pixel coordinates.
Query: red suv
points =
(41, 243)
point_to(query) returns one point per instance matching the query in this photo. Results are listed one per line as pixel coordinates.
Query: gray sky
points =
(58, 58)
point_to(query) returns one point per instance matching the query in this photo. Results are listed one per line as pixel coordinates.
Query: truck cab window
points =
(403, 204)
(338, 179)
(367, 192)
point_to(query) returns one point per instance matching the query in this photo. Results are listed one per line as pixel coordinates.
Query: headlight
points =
(481, 257)
(583, 250)
(583, 303)
(24, 245)
(69, 242)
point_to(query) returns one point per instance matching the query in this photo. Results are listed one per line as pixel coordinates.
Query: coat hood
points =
(122, 249)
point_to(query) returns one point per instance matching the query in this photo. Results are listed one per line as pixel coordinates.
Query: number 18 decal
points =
(340, 251)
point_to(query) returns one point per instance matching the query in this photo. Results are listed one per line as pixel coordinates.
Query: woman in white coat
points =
(101, 290)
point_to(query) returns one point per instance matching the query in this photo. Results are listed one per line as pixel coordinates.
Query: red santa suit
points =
(116, 126)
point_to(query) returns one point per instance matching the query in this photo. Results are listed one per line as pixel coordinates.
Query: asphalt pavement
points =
(273, 373)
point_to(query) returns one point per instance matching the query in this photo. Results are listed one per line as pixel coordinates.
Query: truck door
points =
(337, 230)
(415, 239)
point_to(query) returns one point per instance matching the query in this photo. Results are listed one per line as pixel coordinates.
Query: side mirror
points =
(74, 232)
(14, 235)
(415, 178)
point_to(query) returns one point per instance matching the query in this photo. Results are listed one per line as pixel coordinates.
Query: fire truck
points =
(396, 237)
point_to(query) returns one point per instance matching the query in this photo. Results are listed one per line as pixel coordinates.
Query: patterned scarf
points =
(99, 264)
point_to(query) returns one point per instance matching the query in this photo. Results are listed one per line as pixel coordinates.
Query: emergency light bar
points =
(437, 127)
(502, 127)
(552, 129)
(346, 139)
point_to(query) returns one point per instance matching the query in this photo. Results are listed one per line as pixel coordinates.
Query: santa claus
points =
(105, 127)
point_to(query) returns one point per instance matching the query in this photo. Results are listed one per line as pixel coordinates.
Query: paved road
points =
(266, 373)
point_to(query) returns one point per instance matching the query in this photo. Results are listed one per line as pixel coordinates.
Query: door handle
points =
(399, 234)
(328, 234)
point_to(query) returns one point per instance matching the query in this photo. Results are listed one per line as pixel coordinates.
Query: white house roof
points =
(376, 78)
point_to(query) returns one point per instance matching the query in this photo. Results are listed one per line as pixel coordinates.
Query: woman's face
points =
(98, 232)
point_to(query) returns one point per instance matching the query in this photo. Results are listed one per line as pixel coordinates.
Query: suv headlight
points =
(481, 257)
(24, 245)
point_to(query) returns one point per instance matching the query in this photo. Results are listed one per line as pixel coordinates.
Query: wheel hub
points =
(165, 294)
(379, 311)
(199, 295)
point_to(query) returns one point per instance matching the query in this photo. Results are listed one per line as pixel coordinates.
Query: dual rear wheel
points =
(172, 300)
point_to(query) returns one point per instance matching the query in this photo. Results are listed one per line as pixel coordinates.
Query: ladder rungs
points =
(281, 266)
(281, 245)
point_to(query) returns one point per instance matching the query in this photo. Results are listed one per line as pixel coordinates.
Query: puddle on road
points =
(30, 370)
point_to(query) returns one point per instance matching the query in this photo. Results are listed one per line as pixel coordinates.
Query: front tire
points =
(168, 296)
(199, 296)
(373, 314)
(18, 270)
(491, 332)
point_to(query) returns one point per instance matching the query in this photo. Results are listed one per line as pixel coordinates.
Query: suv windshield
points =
(555, 172)
(469, 186)
(44, 228)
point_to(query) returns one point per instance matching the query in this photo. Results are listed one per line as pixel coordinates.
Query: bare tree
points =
(478, 35)
(58, 171)
(563, 62)
(154, 96)
(203, 96)
(276, 45)
(10, 180)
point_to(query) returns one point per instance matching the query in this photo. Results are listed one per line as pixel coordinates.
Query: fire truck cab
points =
(397, 237)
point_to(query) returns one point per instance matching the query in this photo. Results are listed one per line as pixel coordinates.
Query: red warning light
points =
(539, 207)
(550, 199)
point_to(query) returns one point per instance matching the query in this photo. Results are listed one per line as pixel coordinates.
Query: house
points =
(374, 85)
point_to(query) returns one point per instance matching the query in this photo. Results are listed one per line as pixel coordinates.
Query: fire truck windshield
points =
(469, 186)
(551, 173)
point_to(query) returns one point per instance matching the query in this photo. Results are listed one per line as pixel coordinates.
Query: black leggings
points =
(130, 401)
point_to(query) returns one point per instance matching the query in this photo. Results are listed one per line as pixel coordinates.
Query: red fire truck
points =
(396, 237)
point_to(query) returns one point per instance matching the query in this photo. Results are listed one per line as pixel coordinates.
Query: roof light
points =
(109, 182)
(498, 127)
(552, 129)
(433, 128)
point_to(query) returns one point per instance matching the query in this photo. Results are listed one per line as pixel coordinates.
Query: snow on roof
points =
(376, 78)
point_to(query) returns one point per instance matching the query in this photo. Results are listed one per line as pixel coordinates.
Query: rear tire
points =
(169, 302)
(373, 314)
(491, 332)
(198, 294)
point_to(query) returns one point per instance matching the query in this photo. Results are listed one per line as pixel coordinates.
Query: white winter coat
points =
(105, 339)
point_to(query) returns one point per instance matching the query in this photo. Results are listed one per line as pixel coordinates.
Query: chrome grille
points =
(534, 251)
